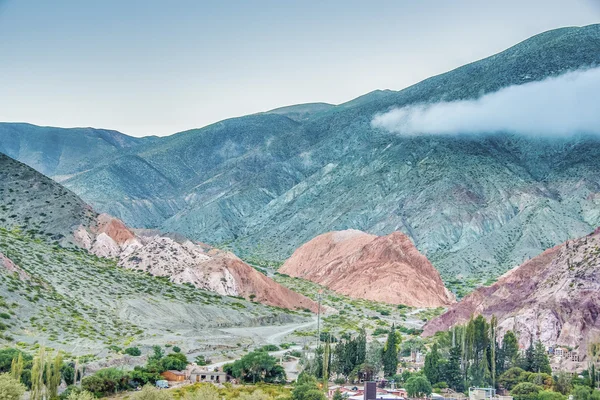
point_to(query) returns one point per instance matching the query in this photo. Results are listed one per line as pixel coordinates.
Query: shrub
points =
(418, 386)
(176, 349)
(581, 392)
(133, 351)
(149, 392)
(550, 395)
(269, 347)
(525, 391)
(10, 388)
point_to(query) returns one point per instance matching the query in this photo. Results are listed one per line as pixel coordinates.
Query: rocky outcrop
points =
(388, 268)
(185, 261)
(10, 266)
(554, 297)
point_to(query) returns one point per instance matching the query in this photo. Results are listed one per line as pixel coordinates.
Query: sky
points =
(148, 67)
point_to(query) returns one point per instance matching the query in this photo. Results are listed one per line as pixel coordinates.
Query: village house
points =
(174, 376)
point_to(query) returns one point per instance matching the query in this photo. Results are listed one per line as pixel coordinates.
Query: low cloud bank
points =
(562, 106)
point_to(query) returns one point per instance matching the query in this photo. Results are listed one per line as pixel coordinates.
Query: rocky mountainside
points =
(388, 269)
(266, 183)
(554, 297)
(44, 209)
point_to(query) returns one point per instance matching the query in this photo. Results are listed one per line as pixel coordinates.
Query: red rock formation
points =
(184, 261)
(387, 268)
(554, 297)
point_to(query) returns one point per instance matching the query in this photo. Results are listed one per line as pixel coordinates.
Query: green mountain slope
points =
(266, 183)
(56, 293)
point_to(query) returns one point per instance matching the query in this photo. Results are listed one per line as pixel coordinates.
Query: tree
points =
(38, 390)
(174, 361)
(510, 378)
(525, 391)
(510, 350)
(149, 392)
(10, 388)
(563, 383)
(307, 388)
(16, 367)
(550, 395)
(390, 353)
(337, 395)
(53, 375)
(431, 367)
(361, 347)
(326, 359)
(540, 361)
(581, 392)
(452, 374)
(257, 366)
(418, 386)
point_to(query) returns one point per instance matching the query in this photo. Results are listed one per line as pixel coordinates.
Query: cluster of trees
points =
(112, 380)
(471, 355)
(257, 366)
(350, 358)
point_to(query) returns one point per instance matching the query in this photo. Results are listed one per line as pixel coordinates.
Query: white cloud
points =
(565, 105)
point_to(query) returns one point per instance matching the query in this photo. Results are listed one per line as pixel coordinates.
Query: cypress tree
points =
(453, 373)
(390, 354)
(540, 361)
(431, 367)
(510, 350)
(528, 362)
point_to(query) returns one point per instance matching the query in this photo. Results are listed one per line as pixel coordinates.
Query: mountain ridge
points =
(263, 184)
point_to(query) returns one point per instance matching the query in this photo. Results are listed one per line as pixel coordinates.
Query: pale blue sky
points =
(158, 67)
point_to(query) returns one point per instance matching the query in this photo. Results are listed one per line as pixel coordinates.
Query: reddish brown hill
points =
(554, 297)
(387, 268)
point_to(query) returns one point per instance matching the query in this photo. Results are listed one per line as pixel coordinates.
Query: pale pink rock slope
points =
(382, 268)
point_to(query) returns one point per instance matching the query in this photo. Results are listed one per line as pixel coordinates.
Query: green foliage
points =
(105, 381)
(418, 386)
(550, 395)
(201, 360)
(133, 351)
(149, 392)
(510, 378)
(526, 391)
(581, 392)
(390, 353)
(257, 366)
(10, 388)
(307, 388)
(176, 349)
(431, 368)
(80, 395)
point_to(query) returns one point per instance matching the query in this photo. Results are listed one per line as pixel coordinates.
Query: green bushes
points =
(526, 391)
(257, 366)
(105, 381)
(418, 386)
(10, 388)
(133, 351)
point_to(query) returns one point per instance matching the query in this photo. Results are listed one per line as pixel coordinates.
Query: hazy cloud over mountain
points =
(560, 106)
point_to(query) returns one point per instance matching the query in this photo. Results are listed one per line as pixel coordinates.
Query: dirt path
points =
(267, 335)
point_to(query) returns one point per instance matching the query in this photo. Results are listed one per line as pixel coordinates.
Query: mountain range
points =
(263, 184)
